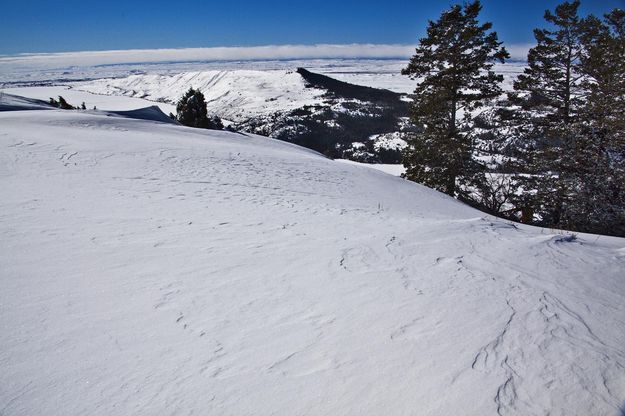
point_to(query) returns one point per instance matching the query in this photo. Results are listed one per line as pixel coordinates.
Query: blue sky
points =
(70, 25)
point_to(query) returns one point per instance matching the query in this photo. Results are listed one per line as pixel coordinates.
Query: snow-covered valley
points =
(293, 105)
(150, 268)
(270, 98)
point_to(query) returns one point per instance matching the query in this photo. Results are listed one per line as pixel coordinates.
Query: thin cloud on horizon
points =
(242, 53)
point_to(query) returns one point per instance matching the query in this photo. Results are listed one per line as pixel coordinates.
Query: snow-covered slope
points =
(76, 97)
(391, 169)
(234, 95)
(149, 269)
(10, 102)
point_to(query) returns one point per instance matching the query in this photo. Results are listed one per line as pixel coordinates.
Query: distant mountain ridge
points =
(333, 117)
(342, 89)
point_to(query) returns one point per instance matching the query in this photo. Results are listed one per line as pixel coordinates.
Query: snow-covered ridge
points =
(236, 95)
(10, 102)
(149, 268)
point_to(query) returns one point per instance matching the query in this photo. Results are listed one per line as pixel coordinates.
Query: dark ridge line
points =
(346, 90)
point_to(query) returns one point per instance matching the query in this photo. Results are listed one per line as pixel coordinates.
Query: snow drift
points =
(11, 102)
(152, 113)
(149, 268)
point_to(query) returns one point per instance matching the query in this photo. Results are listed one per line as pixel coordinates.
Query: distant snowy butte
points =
(235, 95)
(298, 106)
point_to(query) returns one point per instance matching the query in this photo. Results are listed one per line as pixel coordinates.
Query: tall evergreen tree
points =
(550, 91)
(550, 81)
(453, 64)
(597, 173)
(573, 95)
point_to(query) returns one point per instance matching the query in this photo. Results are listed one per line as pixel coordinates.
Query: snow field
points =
(155, 269)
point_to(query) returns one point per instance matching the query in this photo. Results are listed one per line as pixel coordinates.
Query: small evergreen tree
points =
(215, 123)
(191, 111)
(454, 66)
(61, 103)
(64, 105)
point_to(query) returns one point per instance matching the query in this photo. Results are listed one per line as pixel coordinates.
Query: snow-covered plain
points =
(154, 269)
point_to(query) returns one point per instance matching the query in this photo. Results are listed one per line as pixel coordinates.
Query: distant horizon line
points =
(228, 53)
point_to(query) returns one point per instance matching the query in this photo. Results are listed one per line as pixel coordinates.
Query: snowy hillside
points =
(273, 99)
(301, 107)
(152, 269)
(76, 97)
(239, 94)
(234, 95)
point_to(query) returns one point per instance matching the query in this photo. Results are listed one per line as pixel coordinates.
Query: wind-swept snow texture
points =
(152, 269)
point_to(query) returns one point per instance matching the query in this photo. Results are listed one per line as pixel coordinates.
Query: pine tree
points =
(191, 111)
(549, 83)
(64, 105)
(61, 103)
(454, 67)
(573, 98)
(597, 173)
(215, 123)
(550, 94)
